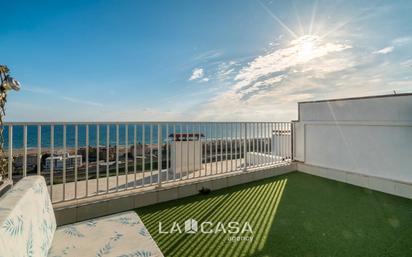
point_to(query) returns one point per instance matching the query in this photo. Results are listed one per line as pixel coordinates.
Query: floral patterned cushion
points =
(119, 235)
(27, 222)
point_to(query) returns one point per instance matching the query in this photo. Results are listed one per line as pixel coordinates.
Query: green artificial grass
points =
(291, 215)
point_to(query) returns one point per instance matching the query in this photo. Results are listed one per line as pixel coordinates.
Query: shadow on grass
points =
(291, 215)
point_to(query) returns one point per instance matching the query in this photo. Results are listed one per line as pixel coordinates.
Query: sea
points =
(145, 134)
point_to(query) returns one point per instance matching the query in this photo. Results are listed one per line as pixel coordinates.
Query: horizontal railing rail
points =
(85, 159)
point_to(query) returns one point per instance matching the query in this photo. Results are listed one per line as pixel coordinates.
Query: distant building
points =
(31, 161)
(186, 152)
(58, 161)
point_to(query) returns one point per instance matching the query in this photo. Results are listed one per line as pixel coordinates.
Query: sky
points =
(199, 60)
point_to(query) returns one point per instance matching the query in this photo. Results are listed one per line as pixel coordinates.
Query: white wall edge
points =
(359, 123)
(389, 186)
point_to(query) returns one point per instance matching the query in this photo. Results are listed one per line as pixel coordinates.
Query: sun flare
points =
(306, 46)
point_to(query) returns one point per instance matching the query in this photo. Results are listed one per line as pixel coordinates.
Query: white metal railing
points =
(84, 159)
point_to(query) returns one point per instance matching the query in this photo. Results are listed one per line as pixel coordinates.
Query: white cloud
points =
(38, 90)
(299, 53)
(80, 101)
(197, 73)
(407, 63)
(385, 50)
(59, 95)
(208, 55)
(402, 40)
(268, 87)
(23, 111)
(225, 70)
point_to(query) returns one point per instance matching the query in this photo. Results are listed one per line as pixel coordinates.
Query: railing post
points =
(159, 154)
(292, 140)
(245, 148)
(24, 150)
(38, 149)
(10, 165)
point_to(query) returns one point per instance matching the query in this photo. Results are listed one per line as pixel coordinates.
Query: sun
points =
(306, 46)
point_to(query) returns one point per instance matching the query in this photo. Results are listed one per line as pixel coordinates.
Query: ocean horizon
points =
(208, 131)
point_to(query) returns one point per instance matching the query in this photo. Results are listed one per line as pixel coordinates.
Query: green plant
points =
(7, 83)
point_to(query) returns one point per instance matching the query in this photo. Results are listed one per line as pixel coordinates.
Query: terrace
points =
(254, 171)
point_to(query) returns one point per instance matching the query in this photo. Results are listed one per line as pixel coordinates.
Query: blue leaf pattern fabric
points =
(14, 225)
(112, 236)
(137, 253)
(143, 232)
(72, 231)
(91, 223)
(29, 243)
(26, 219)
(125, 220)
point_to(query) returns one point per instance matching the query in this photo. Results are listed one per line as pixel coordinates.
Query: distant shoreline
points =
(70, 150)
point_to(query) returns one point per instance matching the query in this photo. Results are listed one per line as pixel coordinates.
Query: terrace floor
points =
(110, 184)
(290, 215)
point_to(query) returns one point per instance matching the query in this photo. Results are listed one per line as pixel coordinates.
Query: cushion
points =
(27, 222)
(119, 235)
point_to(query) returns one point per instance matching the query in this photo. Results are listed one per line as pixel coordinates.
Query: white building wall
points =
(186, 156)
(298, 141)
(58, 162)
(370, 136)
(281, 144)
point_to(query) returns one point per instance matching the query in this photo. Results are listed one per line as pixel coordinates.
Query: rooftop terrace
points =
(264, 200)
